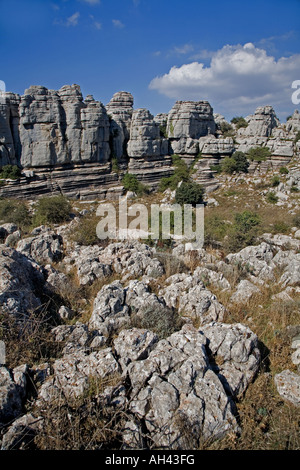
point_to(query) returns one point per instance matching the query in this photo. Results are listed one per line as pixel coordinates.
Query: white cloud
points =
(118, 24)
(238, 79)
(185, 49)
(73, 20)
(96, 23)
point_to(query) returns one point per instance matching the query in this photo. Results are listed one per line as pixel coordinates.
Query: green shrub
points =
(226, 129)
(244, 230)
(163, 130)
(215, 229)
(131, 183)
(271, 197)
(12, 172)
(114, 165)
(259, 154)
(294, 189)
(237, 162)
(216, 168)
(52, 210)
(16, 212)
(228, 165)
(84, 233)
(296, 220)
(283, 170)
(161, 320)
(181, 173)
(239, 122)
(275, 181)
(189, 193)
(280, 227)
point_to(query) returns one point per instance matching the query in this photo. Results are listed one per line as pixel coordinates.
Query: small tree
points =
(189, 193)
(259, 154)
(12, 172)
(52, 210)
(131, 183)
(239, 122)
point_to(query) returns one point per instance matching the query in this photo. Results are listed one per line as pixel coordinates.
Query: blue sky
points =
(237, 55)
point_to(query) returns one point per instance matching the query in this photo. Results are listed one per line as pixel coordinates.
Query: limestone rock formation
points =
(187, 122)
(120, 109)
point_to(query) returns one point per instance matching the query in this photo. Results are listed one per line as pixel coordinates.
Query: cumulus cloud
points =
(238, 78)
(73, 19)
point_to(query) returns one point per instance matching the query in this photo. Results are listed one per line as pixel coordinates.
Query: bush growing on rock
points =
(243, 231)
(131, 183)
(238, 162)
(181, 173)
(275, 181)
(12, 172)
(259, 154)
(271, 197)
(189, 193)
(239, 122)
(163, 321)
(16, 212)
(84, 233)
(52, 210)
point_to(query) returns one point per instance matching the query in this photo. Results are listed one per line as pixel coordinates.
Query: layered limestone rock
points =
(147, 149)
(260, 127)
(9, 135)
(293, 123)
(120, 109)
(42, 128)
(95, 132)
(57, 128)
(72, 103)
(187, 122)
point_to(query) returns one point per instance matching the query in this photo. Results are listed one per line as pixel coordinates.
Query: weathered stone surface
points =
(21, 433)
(19, 279)
(120, 109)
(145, 140)
(109, 307)
(261, 123)
(134, 345)
(175, 387)
(245, 291)
(235, 350)
(41, 128)
(288, 386)
(95, 132)
(72, 104)
(192, 298)
(43, 248)
(11, 396)
(72, 374)
(9, 133)
(190, 119)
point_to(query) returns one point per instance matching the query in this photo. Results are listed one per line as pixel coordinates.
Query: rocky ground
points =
(127, 345)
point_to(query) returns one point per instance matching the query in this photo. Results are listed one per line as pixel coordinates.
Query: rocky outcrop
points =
(146, 148)
(187, 122)
(75, 146)
(120, 109)
(19, 280)
(10, 147)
